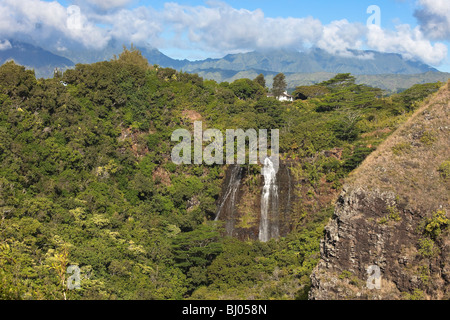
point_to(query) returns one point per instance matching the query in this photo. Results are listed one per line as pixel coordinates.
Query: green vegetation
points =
(444, 169)
(279, 85)
(393, 215)
(401, 148)
(351, 278)
(260, 80)
(428, 138)
(434, 226)
(412, 96)
(345, 275)
(427, 247)
(86, 179)
(307, 92)
(416, 295)
(432, 229)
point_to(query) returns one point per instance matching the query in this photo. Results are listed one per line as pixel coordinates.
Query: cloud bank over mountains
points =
(216, 27)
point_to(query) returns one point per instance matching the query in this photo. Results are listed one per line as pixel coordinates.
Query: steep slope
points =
(241, 204)
(393, 214)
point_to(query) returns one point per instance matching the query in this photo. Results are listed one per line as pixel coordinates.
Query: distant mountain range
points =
(388, 82)
(385, 70)
(42, 61)
(312, 61)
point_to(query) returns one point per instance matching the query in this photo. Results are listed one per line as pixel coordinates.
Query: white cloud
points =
(27, 13)
(217, 28)
(53, 25)
(340, 36)
(410, 43)
(221, 27)
(140, 25)
(5, 45)
(434, 18)
(84, 31)
(47, 21)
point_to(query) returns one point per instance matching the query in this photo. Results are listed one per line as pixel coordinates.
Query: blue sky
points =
(324, 10)
(196, 29)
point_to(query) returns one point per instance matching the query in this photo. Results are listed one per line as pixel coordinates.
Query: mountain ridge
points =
(314, 60)
(386, 70)
(43, 61)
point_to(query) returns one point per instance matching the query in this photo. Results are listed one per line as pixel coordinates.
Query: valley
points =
(87, 180)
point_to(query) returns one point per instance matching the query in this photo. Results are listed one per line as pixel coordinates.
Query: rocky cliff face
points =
(392, 216)
(240, 205)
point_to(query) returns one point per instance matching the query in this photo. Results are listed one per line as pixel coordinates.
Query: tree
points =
(279, 85)
(57, 73)
(194, 251)
(133, 57)
(359, 155)
(412, 96)
(246, 89)
(198, 247)
(306, 92)
(260, 80)
(16, 81)
(340, 81)
(60, 266)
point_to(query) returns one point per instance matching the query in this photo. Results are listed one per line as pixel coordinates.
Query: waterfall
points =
(288, 208)
(269, 203)
(239, 206)
(231, 191)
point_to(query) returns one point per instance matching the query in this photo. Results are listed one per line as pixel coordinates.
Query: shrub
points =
(246, 89)
(345, 275)
(428, 138)
(394, 213)
(444, 169)
(401, 148)
(436, 224)
(410, 97)
(426, 247)
(416, 295)
(358, 156)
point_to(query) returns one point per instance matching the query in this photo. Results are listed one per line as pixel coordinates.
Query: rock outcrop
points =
(393, 216)
(239, 206)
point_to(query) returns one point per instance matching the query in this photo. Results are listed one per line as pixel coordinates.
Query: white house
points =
(284, 97)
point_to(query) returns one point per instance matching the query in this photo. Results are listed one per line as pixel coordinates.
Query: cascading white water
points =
(231, 191)
(269, 202)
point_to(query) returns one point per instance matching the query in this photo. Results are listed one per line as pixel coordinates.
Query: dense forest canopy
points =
(86, 179)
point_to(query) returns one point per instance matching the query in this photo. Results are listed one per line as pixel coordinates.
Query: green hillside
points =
(86, 179)
(393, 213)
